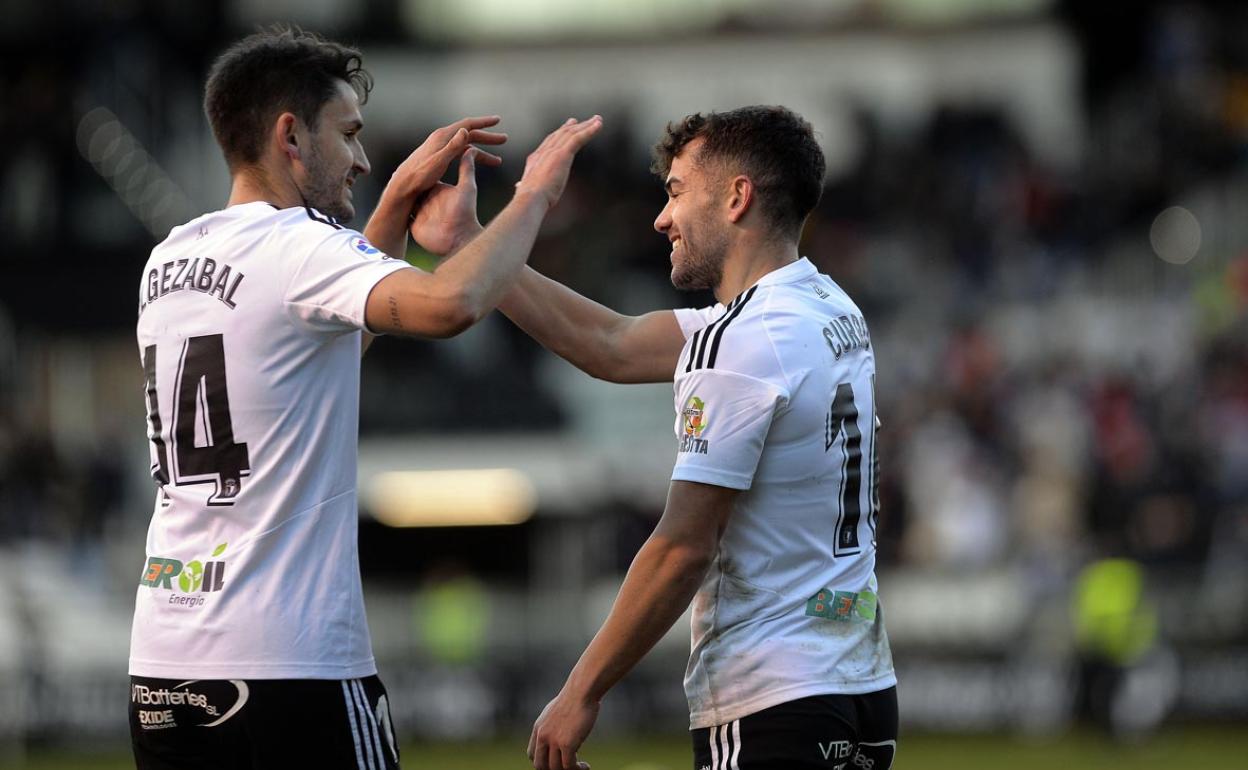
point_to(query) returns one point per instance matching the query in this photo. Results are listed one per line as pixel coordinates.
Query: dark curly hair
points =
(280, 69)
(774, 146)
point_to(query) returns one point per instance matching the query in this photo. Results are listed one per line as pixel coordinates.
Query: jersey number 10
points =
(200, 401)
(842, 423)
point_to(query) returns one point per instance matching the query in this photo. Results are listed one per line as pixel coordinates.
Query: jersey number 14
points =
(202, 440)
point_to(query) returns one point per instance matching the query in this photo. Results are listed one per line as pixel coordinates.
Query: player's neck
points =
(748, 261)
(253, 185)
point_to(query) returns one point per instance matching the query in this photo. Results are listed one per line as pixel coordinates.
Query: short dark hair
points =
(774, 146)
(276, 70)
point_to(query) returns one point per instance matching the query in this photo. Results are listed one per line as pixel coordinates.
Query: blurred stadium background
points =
(1039, 204)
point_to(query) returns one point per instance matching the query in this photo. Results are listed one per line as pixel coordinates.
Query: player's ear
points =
(286, 135)
(740, 197)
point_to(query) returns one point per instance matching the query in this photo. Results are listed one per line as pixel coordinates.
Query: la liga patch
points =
(364, 247)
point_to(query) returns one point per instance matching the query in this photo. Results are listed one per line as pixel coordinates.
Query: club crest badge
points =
(694, 420)
(695, 416)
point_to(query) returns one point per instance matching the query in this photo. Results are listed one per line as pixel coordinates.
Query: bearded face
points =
(690, 220)
(328, 185)
(333, 157)
(698, 253)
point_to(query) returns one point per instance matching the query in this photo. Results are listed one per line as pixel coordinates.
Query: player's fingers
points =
(439, 136)
(567, 129)
(488, 158)
(571, 761)
(453, 147)
(576, 134)
(476, 136)
(556, 139)
(441, 147)
(552, 141)
(468, 170)
(531, 750)
(550, 758)
(583, 132)
(481, 121)
(554, 136)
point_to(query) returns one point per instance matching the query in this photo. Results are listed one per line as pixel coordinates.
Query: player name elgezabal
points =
(205, 276)
(148, 696)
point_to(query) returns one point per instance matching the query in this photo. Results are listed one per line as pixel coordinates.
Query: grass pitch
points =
(1189, 748)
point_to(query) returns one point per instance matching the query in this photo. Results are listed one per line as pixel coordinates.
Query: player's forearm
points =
(566, 323)
(387, 227)
(661, 582)
(482, 272)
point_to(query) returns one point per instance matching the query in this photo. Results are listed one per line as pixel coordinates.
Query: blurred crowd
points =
(1051, 388)
(1055, 384)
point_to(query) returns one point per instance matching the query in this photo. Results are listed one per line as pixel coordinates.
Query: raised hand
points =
(446, 218)
(546, 169)
(428, 162)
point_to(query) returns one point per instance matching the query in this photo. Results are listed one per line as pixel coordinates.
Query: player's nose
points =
(663, 221)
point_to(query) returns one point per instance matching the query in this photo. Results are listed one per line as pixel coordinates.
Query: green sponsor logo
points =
(192, 576)
(160, 571)
(202, 576)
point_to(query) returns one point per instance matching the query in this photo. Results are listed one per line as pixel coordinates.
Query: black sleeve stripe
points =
(693, 348)
(707, 331)
(702, 337)
(706, 335)
(719, 333)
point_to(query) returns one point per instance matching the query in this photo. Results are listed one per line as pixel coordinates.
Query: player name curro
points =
(846, 334)
(205, 275)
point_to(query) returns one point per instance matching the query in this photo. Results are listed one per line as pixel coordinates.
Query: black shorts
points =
(261, 723)
(830, 732)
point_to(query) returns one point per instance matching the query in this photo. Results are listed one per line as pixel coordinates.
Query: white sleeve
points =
(329, 288)
(692, 319)
(722, 420)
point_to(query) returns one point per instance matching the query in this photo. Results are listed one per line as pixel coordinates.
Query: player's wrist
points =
(532, 195)
(394, 204)
(464, 236)
(584, 687)
(403, 188)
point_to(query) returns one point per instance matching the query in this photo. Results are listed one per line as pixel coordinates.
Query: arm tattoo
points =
(394, 313)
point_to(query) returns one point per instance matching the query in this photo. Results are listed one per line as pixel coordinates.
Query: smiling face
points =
(691, 221)
(334, 157)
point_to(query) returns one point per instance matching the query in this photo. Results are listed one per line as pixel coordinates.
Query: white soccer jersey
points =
(249, 333)
(775, 396)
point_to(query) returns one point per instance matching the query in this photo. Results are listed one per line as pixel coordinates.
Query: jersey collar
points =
(793, 272)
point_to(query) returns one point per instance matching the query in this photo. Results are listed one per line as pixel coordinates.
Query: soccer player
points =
(250, 647)
(769, 527)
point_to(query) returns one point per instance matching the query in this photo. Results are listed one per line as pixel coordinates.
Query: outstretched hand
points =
(428, 162)
(546, 169)
(446, 218)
